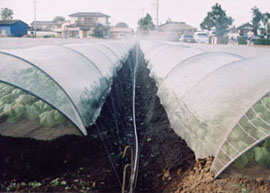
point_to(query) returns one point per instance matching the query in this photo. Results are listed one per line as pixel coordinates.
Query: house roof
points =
(245, 25)
(72, 25)
(10, 22)
(42, 23)
(88, 14)
(175, 26)
(121, 29)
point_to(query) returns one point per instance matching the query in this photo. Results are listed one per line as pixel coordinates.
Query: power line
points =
(35, 18)
(157, 16)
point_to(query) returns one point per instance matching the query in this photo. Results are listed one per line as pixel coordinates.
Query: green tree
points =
(6, 13)
(100, 31)
(266, 18)
(121, 25)
(217, 19)
(146, 23)
(257, 17)
(59, 19)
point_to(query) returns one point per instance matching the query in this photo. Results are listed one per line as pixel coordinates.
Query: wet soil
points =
(162, 151)
(94, 163)
(78, 161)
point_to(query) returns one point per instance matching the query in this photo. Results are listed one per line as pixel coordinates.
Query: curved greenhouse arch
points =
(116, 47)
(242, 152)
(105, 54)
(77, 76)
(77, 52)
(110, 48)
(186, 60)
(45, 101)
(207, 95)
(216, 107)
(96, 57)
(80, 123)
(73, 78)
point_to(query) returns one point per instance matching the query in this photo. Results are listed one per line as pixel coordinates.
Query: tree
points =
(121, 25)
(100, 31)
(257, 17)
(146, 23)
(58, 19)
(217, 19)
(266, 19)
(6, 14)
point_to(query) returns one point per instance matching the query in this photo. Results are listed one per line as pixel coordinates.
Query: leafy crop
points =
(254, 126)
(259, 154)
(32, 79)
(34, 184)
(16, 105)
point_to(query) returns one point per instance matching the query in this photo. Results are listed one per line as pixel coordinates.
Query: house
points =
(82, 23)
(61, 29)
(173, 30)
(42, 25)
(121, 32)
(13, 28)
(244, 29)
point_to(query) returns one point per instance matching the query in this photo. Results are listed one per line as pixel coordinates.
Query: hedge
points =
(261, 42)
(242, 40)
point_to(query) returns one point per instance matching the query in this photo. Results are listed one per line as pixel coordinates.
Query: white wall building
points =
(81, 24)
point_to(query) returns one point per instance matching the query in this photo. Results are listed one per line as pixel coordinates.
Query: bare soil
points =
(199, 179)
(79, 163)
(94, 164)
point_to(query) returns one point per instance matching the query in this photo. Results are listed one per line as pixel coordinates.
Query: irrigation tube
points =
(136, 157)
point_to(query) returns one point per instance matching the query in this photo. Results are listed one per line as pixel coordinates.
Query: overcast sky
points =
(190, 11)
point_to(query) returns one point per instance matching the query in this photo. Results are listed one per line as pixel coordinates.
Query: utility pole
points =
(35, 18)
(157, 16)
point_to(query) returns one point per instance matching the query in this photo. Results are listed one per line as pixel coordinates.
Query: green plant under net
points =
(253, 127)
(259, 155)
(17, 105)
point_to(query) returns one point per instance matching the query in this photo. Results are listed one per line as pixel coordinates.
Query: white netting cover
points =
(73, 78)
(209, 97)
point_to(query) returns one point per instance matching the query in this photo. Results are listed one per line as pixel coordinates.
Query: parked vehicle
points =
(201, 37)
(187, 38)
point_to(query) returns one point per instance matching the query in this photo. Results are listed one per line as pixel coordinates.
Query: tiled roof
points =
(9, 22)
(245, 25)
(42, 23)
(175, 26)
(88, 14)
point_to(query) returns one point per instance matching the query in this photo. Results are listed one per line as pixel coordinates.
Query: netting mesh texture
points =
(215, 100)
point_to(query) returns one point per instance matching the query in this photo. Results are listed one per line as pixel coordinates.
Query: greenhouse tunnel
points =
(100, 153)
(74, 79)
(217, 101)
